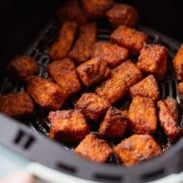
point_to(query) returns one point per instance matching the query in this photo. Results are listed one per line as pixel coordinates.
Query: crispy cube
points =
(122, 14)
(128, 72)
(93, 71)
(148, 87)
(153, 60)
(16, 104)
(94, 149)
(71, 11)
(173, 107)
(178, 63)
(96, 8)
(112, 90)
(142, 115)
(82, 49)
(137, 148)
(111, 53)
(22, 67)
(45, 93)
(68, 126)
(123, 77)
(168, 116)
(129, 38)
(92, 106)
(64, 42)
(64, 74)
(114, 124)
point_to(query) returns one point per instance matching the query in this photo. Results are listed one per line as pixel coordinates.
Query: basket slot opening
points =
(153, 175)
(45, 61)
(19, 136)
(29, 142)
(24, 140)
(174, 92)
(108, 178)
(166, 89)
(33, 53)
(162, 90)
(66, 168)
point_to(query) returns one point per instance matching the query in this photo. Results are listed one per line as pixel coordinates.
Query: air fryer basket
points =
(38, 148)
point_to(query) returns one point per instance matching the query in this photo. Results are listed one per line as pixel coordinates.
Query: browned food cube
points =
(114, 124)
(82, 49)
(128, 72)
(178, 63)
(148, 87)
(122, 14)
(64, 74)
(92, 106)
(112, 90)
(180, 89)
(22, 67)
(111, 53)
(68, 126)
(45, 93)
(168, 116)
(173, 107)
(122, 78)
(93, 71)
(142, 115)
(137, 148)
(94, 149)
(64, 42)
(96, 8)
(129, 38)
(153, 60)
(16, 104)
(71, 11)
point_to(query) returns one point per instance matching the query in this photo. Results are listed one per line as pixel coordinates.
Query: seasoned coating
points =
(111, 53)
(148, 87)
(16, 104)
(94, 149)
(122, 14)
(45, 93)
(64, 42)
(114, 124)
(92, 106)
(153, 60)
(142, 115)
(71, 11)
(93, 71)
(68, 126)
(178, 63)
(137, 148)
(122, 78)
(22, 67)
(96, 8)
(129, 38)
(128, 72)
(180, 89)
(63, 72)
(112, 90)
(168, 116)
(173, 107)
(82, 49)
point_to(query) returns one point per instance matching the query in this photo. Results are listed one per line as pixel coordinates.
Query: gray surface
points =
(10, 161)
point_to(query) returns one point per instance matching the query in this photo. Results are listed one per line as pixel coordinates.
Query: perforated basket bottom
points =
(38, 50)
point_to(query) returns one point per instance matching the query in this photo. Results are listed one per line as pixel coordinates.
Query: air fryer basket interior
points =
(21, 39)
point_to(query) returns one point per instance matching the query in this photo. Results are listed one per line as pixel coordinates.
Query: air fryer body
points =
(21, 21)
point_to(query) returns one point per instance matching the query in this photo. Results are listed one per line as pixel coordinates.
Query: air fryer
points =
(29, 27)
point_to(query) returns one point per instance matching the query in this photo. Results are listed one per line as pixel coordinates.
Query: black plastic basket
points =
(37, 147)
